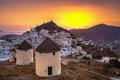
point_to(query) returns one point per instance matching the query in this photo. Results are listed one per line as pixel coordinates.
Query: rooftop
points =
(24, 46)
(47, 46)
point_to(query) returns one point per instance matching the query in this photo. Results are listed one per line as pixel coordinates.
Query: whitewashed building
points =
(4, 50)
(12, 55)
(48, 59)
(24, 54)
(79, 48)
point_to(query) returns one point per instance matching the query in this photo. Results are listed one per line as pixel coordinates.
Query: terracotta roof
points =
(47, 46)
(24, 46)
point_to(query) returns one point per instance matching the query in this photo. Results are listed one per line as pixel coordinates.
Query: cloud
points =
(77, 2)
(109, 4)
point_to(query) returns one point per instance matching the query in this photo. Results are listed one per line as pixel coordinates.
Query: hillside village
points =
(35, 36)
(71, 47)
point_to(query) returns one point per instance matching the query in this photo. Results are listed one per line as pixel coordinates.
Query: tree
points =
(86, 58)
(98, 56)
(114, 63)
(8, 40)
(105, 69)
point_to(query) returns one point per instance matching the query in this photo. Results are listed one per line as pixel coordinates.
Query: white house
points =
(24, 54)
(48, 59)
(86, 55)
(79, 48)
(12, 55)
(4, 50)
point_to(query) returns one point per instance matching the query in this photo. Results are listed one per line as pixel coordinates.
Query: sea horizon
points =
(11, 32)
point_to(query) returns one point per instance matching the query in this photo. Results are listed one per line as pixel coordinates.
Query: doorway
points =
(49, 70)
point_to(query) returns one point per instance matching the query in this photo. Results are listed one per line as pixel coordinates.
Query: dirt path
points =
(65, 60)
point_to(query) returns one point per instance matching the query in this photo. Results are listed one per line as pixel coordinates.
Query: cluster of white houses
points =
(62, 38)
(47, 57)
(34, 38)
(4, 50)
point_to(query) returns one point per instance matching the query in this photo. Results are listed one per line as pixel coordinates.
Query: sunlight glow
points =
(78, 20)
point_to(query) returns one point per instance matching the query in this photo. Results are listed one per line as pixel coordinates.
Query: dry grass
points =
(9, 71)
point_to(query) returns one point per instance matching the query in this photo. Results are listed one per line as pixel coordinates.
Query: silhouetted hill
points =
(99, 32)
(52, 27)
(0, 30)
(7, 36)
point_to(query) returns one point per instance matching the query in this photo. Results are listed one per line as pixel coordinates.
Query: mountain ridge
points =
(98, 32)
(7, 36)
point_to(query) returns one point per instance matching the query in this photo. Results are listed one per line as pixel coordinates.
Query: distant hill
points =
(99, 32)
(1, 31)
(7, 36)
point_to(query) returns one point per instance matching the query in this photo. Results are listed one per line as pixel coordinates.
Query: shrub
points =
(97, 57)
(104, 69)
(86, 58)
(63, 77)
(27, 31)
(114, 63)
(95, 78)
(8, 40)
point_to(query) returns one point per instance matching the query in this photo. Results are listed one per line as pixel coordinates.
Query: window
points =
(54, 53)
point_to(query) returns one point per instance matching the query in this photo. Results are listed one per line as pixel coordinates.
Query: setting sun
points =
(67, 14)
(59, 39)
(78, 19)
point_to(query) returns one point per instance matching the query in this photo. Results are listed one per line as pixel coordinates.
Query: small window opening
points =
(54, 53)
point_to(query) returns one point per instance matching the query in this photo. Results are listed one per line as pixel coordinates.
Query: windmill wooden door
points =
(49, 70)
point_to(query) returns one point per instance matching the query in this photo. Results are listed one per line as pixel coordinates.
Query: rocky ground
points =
(79, 70)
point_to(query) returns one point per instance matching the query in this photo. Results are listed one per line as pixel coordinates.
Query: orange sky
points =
(20, 15)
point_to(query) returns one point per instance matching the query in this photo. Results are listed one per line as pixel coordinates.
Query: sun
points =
(77, 20)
